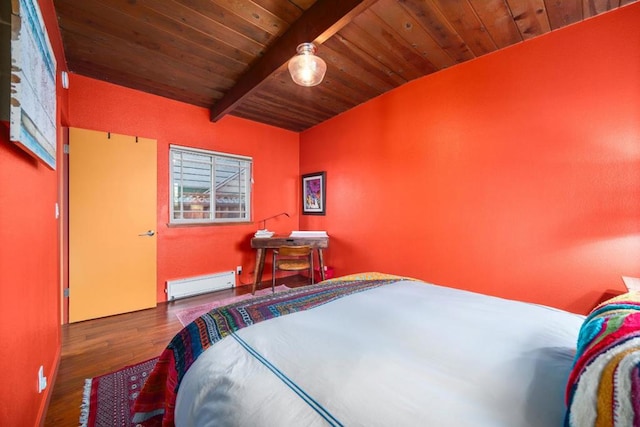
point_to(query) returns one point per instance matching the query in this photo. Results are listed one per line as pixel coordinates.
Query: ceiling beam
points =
(317, 24)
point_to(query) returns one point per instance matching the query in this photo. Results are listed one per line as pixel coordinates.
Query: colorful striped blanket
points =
(155, 404)
(604, 384)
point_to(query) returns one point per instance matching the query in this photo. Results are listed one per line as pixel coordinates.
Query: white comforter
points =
(406, 354)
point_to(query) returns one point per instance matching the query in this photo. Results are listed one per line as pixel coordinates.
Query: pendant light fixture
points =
(306, 68)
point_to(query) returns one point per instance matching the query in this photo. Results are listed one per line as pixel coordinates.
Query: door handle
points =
(149, 233)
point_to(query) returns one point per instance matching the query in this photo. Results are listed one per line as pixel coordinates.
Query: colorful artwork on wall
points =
(314, 187)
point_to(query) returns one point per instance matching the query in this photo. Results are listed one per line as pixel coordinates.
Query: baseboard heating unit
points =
(191, 286)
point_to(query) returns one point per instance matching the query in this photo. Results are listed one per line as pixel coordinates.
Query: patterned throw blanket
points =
(155, 404)
(604, 385)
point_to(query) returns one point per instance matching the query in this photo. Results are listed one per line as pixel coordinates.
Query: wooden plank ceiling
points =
(231, 55)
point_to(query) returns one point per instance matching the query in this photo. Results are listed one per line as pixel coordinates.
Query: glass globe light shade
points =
(305, 68)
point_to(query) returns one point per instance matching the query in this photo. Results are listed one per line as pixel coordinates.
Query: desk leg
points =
(257, 278)
(321, 259)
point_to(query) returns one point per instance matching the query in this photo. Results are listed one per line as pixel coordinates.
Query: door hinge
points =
(65, 148)
(65, 292)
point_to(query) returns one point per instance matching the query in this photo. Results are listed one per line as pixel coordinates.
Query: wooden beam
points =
(317, 24)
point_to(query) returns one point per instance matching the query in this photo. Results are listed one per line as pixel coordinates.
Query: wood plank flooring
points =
(96, 347)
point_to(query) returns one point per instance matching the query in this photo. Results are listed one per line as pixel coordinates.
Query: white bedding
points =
(404, 354)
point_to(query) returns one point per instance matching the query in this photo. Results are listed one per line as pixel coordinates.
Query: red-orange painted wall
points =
(29, 313)
(191, 251)
(516, 174)
(29, 269)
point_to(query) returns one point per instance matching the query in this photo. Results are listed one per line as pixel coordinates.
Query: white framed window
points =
(208, 187)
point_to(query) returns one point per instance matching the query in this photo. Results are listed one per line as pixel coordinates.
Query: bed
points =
(371, 350)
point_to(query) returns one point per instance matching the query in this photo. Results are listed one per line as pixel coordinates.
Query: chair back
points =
(292, 258)
(294, 251)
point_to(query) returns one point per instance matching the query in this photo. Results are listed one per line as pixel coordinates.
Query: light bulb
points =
(306, 69)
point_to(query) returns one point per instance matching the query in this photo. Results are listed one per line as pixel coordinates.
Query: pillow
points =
(604, 385)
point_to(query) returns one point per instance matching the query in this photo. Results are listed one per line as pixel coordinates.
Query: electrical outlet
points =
(42, 380)
(239, 270)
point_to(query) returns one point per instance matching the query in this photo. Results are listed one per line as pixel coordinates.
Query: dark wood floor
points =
(96, 347)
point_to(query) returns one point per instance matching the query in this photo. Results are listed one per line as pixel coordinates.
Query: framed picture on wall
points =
(314, 187)
(32, 110)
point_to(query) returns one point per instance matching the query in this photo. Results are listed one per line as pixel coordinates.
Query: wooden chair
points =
(292, 258)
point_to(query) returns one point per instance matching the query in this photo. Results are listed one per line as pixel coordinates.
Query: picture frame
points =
(314, 191)
(32, 111)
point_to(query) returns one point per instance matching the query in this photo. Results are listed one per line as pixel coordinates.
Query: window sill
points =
(208, 224)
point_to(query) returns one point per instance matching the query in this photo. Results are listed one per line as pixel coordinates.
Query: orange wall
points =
(29, 301)
(29, 272)
(516, 174)
(192, 251)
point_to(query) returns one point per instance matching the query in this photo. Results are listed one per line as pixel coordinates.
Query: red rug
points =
(188, 315)
(108, 399)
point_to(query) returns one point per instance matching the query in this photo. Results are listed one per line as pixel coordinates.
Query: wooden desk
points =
(261, 244)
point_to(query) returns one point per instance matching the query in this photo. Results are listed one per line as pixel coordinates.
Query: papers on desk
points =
(300, 234)
(308, 234)
(263, 233)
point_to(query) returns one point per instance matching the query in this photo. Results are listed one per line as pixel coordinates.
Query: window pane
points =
(231, 188)
(196, 186)
(196, 175)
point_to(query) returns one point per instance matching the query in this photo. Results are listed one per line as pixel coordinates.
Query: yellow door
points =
(112, 222)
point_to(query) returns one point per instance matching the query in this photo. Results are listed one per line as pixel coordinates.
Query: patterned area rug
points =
(108, 399)
(188, 315)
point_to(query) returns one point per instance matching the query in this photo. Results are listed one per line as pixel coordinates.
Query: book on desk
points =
(298, 233)
(262, 234)
(308, 234)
